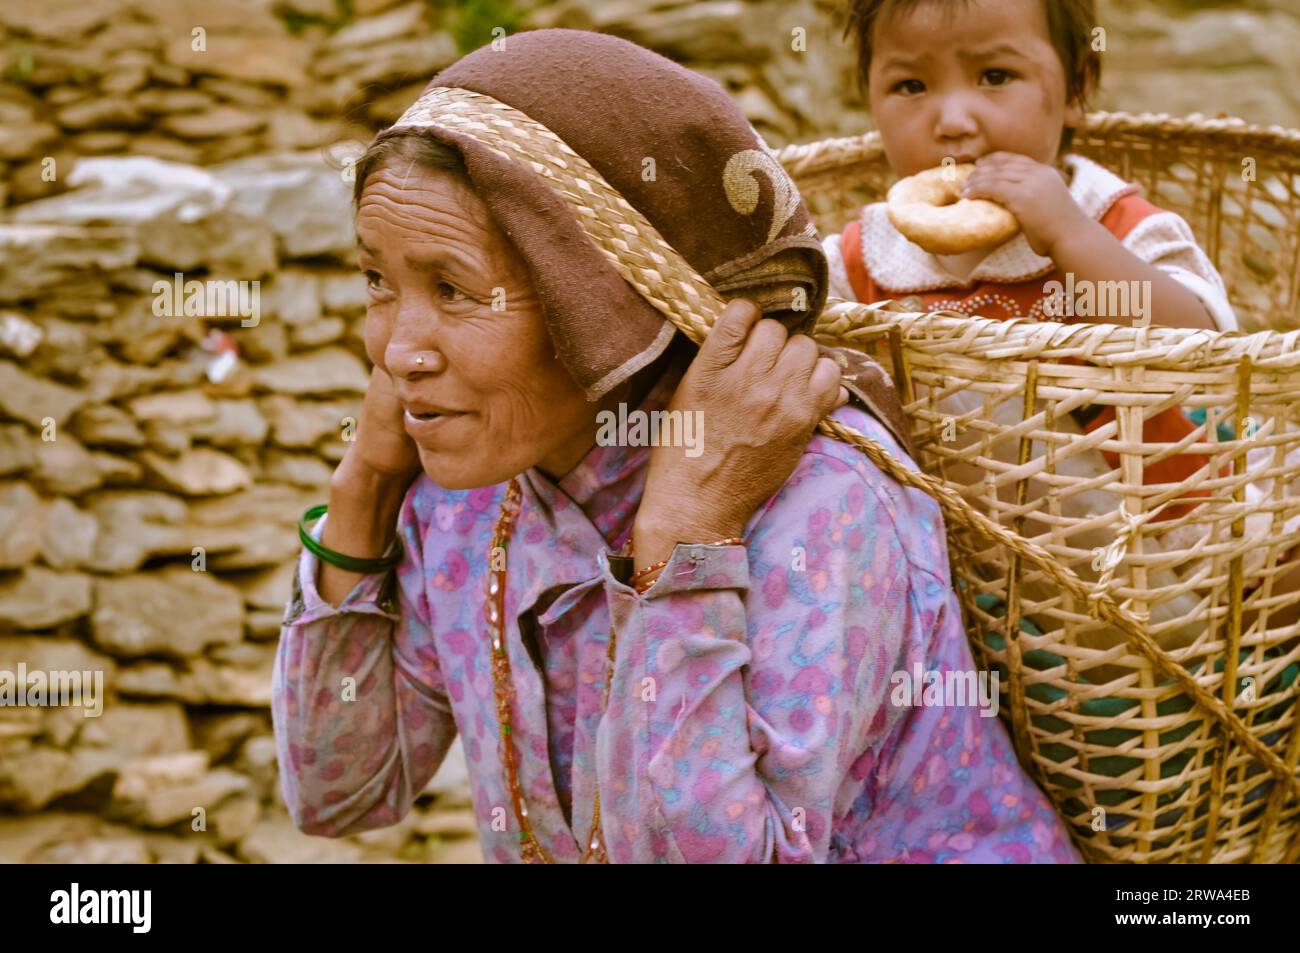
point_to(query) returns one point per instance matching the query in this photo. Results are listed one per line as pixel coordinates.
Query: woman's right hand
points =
(368, 486)
(382, 445)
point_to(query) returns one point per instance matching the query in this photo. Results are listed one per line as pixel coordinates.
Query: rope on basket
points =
(664, 278)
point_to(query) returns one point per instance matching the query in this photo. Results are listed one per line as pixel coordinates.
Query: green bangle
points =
(350, 563)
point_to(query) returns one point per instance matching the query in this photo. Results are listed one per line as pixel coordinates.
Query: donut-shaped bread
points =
(927, 208)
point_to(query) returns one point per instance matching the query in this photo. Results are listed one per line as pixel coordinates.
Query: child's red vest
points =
(1168, 426)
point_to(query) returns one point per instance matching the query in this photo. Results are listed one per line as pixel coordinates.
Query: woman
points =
(725, 693)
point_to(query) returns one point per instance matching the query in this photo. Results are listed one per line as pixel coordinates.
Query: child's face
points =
(968, 80)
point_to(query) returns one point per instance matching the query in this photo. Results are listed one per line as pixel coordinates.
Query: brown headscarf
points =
(679, 150)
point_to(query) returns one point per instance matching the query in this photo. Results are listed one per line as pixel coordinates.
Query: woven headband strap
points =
(633, 246)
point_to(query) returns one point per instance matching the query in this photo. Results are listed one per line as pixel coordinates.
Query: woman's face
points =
(960, 81)
(491, 399)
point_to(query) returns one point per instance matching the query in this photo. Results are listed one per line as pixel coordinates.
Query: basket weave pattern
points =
(1165, 744)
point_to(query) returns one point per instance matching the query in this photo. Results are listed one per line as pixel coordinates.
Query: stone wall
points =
(201, 82)
(111, 77)
(153, 464)
(1184, 56)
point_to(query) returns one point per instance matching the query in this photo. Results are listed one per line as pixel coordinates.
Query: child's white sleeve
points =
(1166, 241)
(839, 277)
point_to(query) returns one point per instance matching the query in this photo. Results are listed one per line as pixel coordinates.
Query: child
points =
(1004, 84)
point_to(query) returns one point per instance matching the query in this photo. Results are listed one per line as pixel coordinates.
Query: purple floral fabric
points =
(752, 715)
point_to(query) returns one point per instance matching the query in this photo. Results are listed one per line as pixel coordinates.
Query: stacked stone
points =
(1190, 56)
(200, 82)
(153, 465)
(133, 76)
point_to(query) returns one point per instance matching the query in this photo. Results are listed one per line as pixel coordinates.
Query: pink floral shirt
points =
(754, 716)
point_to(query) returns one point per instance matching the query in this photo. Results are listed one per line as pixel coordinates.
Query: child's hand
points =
(1034, 192)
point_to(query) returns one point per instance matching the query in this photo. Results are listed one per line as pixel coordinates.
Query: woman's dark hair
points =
(413, 146)
(1070, 24)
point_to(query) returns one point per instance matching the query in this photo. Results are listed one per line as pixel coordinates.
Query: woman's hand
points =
(760, 393)
(382, 445)
(368, 486)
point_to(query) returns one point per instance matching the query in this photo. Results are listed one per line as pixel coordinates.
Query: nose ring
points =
(419, 360)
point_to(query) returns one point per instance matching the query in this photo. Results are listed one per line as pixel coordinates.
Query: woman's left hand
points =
(758, 392)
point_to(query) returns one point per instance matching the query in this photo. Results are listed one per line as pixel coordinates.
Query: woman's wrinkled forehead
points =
(406, 171)
(428, 214)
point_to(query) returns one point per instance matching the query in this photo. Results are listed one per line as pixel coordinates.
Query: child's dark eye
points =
(908, 87)
(997, 77)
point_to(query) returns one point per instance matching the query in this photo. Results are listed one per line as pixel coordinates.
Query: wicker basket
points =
(1175, 737)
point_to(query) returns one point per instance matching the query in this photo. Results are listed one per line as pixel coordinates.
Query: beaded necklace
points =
(494, 610)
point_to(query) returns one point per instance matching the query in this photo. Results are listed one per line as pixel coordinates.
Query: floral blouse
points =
(755, 711)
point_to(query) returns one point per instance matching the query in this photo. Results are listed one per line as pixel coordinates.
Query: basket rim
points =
(1122, 350)
(803, 159)
(1155, 347)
